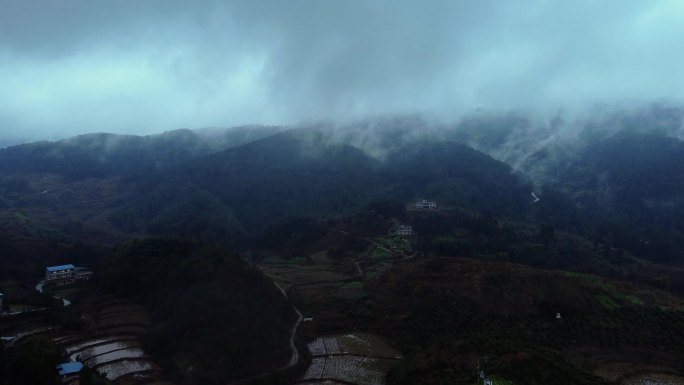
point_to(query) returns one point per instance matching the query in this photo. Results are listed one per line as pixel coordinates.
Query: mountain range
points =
(605, 206)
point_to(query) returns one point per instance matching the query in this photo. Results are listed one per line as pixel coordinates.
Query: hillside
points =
(457, 310)
(480, 276)
(102, 155)
(298, 173)
(634, 184)
(215, 315)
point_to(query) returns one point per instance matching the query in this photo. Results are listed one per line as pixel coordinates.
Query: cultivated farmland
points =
(357, 358)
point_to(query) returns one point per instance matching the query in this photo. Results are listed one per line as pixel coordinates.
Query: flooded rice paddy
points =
(114, 356)
(113, 346)
(355, 369)
(654, 379)
(356, 358)
(94, 361)
(114, 370)
(105, 346)
(92, 343)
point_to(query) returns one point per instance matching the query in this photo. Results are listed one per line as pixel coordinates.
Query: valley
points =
(293, 259)
(350, 192)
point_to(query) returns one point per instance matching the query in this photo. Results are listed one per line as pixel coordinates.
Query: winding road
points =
(39, 287)
(536, 198)
(294, 359)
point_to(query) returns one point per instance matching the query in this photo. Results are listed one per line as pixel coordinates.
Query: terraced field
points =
(82, 352)
(356, 358)
(654, 379)
(113, 346)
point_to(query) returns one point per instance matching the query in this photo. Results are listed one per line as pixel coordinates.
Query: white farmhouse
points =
(403, 230)
(426, 205)
(59, 273)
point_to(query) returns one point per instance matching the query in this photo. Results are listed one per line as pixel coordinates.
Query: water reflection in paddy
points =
(82, 345)
(117, 369)
(654, 379)
(96, 350)
(115, 355)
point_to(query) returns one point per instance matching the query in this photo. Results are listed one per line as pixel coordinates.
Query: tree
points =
(546, 234)
(34, 362)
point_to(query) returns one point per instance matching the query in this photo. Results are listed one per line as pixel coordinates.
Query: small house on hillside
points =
(59, 273)
(69, 372)
(426, 205)
(403, 230)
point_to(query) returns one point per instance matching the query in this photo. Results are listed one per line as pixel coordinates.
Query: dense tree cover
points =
(215, 314)
(25, 259)
(291, 233)
(630, 186)
(33, 361)
(454, 312)
(298, 173)
(90, 376)
(98, 155)
(619, 198)
(623, 190)
(388, 208)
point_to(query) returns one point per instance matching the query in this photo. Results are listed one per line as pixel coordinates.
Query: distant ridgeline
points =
(298, 173)
(100, 155)
(621, 191)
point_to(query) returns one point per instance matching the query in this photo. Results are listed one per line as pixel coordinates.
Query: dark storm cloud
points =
(77, 66)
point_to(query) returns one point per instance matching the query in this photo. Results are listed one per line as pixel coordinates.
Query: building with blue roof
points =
(60, 267)
(69, 368)
(59, 273)
(69, 372)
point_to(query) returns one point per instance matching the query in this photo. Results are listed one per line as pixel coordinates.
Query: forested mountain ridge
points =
(622, 189)
(180, 183)
(632, 185)
(102, 155)
(299, 173)
(305, 206)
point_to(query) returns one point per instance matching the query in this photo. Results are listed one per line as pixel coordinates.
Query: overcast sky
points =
(130, 66)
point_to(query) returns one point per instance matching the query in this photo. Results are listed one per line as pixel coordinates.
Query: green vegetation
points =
(498, 380)
(396, 243)
(377, 270)
(615, 207)
(607, 301)
(458, 308)
(612, 294)
(37, 228)
(379, 254)
(92, 377)
(273, 261)
(20, 297)
(633, 299)
(283, 261)
(353, 285)
(33, 362)
(215, 313)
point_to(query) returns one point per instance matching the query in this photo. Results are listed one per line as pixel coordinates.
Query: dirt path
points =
(358, 267)
(294, 359)
(39, 288)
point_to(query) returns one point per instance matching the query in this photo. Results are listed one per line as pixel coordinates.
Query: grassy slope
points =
(444, 313)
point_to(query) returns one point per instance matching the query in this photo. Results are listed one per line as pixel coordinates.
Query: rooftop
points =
(69, 368)
(60, 267)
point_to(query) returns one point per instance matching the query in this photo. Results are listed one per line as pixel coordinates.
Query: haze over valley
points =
(341, 193)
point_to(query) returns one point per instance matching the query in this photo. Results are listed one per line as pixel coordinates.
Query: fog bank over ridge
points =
(75, 66)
